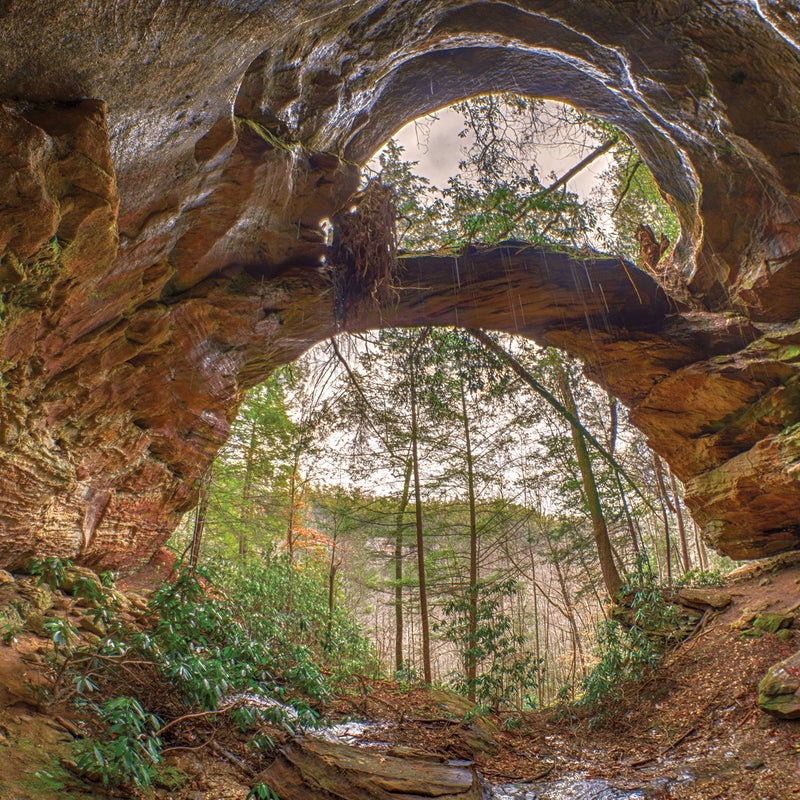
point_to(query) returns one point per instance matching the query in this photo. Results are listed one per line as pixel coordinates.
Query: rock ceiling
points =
(165, 168)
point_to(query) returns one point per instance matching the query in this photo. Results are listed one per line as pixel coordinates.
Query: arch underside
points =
(162, 250)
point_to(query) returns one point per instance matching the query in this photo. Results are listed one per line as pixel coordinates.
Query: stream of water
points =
(572, 787)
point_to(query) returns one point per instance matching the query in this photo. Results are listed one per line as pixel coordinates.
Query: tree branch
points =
(582, 164)
(541, 390)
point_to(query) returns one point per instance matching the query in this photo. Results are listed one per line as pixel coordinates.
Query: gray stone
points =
(779, 689)
(704, 598)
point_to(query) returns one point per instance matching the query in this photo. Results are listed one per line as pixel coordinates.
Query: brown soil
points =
(697, 715)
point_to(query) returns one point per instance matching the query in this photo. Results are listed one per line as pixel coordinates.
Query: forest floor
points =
(691, 730)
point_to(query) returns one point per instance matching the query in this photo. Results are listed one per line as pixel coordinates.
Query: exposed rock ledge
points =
(332, 771)
(161, 251)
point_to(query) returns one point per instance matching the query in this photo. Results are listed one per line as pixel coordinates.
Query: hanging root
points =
(656, 258)
(650, 249)
(363, 256)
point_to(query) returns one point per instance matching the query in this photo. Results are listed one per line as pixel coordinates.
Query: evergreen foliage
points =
(509, 672)
(254, 651)
(626, 651)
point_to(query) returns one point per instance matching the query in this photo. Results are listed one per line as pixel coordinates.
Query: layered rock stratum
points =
(166, 168)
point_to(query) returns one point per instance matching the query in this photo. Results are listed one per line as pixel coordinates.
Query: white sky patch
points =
(435, 144)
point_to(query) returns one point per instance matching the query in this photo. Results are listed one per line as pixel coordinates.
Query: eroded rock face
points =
(161, 246)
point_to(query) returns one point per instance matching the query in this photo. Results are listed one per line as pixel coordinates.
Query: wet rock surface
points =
(351, 760)
(161, 244)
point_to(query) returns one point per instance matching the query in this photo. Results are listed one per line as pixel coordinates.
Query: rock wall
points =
(161, 247)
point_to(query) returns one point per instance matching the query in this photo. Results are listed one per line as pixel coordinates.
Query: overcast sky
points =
(438, 149)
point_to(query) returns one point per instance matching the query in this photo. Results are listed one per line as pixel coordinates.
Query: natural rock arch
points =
(161, 250)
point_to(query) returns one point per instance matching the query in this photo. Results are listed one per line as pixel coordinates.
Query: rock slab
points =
(331, 771)
(704, 598)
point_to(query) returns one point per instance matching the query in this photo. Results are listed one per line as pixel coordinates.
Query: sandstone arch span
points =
(161, 247)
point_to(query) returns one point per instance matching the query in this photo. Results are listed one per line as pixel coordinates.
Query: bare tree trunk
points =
(549, 672)
(611, 577)
(613, 425)
(702, 556)
(398, 568)
(472, 622)
(246, 514)
(536, 635)
(293, 501)
(577, 646)
(423, 593)
(687, 564)
(200, 519)
(662, 492)
(332, 570)
(611, 444)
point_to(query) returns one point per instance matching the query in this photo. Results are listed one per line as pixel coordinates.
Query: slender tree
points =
(399, 661)
(611, 576)
(678, 511)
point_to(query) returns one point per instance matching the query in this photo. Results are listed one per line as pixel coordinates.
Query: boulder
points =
(75, 577)
(33, 597)
(772, 623)
(310, 768)
(10, 621)
(476, 731)
(97, 627)
(779, 689)
(137, 602)
(748, 615)
(36, 624)
(704, 598)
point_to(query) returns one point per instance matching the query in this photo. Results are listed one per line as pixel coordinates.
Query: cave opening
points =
(523, 408)
(164, 170)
